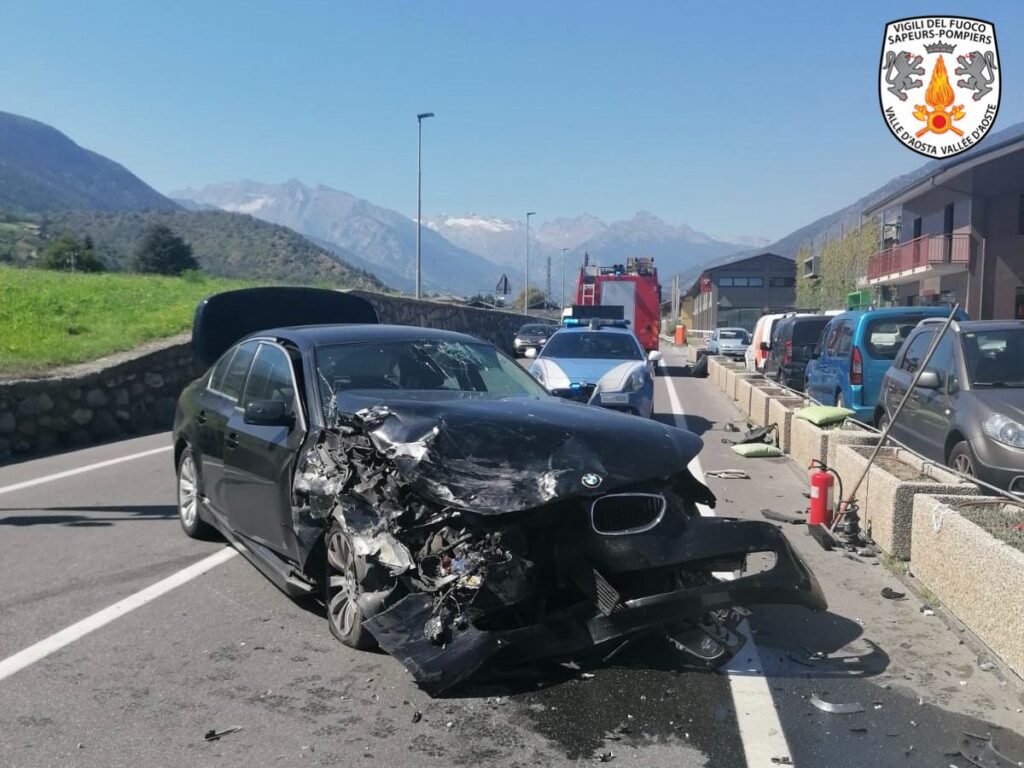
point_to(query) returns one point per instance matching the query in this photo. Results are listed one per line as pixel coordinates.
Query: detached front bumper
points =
(600, 619)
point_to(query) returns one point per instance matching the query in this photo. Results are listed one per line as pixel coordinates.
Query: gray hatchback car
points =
(967, 409)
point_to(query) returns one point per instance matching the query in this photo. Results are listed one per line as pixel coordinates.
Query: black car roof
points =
(309, 336)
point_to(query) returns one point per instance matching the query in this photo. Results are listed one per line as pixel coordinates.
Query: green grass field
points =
(48, 319)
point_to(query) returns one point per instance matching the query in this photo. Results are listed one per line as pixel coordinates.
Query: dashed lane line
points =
(80, 470)
(38, 651)
(760, 729)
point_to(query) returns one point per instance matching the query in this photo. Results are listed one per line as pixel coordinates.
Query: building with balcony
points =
(957, 235)
(736, 294)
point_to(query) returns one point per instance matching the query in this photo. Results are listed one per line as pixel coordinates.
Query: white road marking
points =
(58, 640)
(80, 470)
(760, 729)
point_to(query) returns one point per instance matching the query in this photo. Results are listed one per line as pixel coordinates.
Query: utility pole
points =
(548, 288)
(419, 197)
(71, 255)
(526, 287)
(563, 277)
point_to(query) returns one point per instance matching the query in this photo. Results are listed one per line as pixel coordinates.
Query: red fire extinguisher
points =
(821, 495)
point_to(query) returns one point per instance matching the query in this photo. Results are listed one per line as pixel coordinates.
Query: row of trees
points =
(159, 252)
(840, 262)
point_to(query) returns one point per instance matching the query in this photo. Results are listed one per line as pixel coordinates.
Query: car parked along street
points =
(731, 342)
(967, 410)
(791, 348)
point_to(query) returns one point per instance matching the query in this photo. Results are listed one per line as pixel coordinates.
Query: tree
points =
(68, 254)
(537, 297)
(162, 252)
(839, 264)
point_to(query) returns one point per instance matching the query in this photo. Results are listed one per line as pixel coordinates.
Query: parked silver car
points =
(731, 342)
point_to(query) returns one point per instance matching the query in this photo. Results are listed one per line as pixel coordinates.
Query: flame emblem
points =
(939, 113)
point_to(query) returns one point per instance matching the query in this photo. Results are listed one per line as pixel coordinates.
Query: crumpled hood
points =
(495, 456)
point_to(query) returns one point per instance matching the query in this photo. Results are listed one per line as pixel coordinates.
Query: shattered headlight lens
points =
(1004, 430)
(635, 381)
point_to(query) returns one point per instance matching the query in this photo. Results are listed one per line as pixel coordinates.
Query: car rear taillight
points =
(787, 353)
(856, 367)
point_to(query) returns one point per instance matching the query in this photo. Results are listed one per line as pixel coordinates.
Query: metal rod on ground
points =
(895, 415)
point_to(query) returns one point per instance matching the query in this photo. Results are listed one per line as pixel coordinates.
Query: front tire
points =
(961, 459)
(190, 499)
(342, 588)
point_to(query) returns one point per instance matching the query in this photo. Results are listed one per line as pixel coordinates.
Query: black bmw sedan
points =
(441, 504)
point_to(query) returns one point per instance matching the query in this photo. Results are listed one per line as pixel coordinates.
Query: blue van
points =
(854, 352)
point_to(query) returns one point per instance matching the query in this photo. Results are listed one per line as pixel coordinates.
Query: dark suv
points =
(967, 409)
(791, 347)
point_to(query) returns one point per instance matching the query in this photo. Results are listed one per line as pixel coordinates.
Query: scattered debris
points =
(606, 757)
(730, 427)
(794, 518)
(867, 552)
(417, 716)
(214, 735)
(785, 760)
(985, 664)
(979, 751)
(727, 474)
(891, 594)
(851, 708)
(927, 611)
(859, 729)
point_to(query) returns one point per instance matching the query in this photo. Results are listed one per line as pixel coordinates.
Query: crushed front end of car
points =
(498, 531)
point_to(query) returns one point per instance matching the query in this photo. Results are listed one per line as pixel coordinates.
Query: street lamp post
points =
(526, 288)
(419, 196)
(563, 278)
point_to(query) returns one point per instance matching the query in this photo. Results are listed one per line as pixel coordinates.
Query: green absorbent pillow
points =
(823, 415)
(756, 450)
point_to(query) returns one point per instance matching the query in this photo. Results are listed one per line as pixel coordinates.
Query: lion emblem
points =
(975, 65)
(902, 79)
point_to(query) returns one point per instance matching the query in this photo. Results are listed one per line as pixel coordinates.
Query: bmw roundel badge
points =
(590, 480)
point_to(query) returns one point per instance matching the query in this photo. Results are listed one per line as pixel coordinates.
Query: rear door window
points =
(845, 340)
(807, 331)
(833, 339)
(234, 377)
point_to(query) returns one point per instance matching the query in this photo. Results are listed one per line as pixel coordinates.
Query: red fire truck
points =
(633, 286)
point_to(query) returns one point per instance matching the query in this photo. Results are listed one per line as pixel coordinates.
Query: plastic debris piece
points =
(891, 594)
(417, 716)
(979, 751)
(851, 708)
(794, 518)
(730, 427)
(784, 760)
(214, 735)
(727, 474)
(927, 611)
(859, 729)
(606, 756)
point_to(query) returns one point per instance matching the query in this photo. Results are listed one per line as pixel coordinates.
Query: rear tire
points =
(882, 421)
(962, 460)
(190, 499)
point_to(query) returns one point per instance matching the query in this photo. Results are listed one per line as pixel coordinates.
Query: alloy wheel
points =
(962, 463)
(188, 499)
(342, 608)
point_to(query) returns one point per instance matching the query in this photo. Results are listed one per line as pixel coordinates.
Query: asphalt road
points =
(227, 649)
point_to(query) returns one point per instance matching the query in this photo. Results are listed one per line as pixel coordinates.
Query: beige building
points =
(957, 235)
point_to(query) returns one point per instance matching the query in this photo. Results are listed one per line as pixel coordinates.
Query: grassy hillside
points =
(225, 245)
(55, 318)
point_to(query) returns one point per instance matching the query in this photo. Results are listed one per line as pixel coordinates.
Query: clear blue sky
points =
(734, 117)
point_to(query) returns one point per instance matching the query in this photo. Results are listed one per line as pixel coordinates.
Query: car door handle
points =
(201, 417)
(231, 440)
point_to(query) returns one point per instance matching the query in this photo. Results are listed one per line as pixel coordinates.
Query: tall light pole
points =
(419, 195)
(526, 289)
(563, 278)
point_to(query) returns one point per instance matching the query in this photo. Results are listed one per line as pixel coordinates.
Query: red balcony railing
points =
(926, 251)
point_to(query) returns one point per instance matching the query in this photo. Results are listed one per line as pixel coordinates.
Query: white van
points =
(762, 333)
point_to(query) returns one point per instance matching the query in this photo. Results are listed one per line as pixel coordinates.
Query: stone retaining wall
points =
(135, 393)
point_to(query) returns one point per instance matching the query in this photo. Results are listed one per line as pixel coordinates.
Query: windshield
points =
(995, 358)
(536, 329)
(452, 366)
(593, 344)
(733, 334)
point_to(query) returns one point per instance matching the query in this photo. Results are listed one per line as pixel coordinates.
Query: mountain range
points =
(463, 254)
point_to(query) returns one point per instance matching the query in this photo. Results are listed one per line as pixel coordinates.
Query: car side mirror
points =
(928, 380)
(765, 346)
(268, 413)
(654, 355)
(531, 352)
